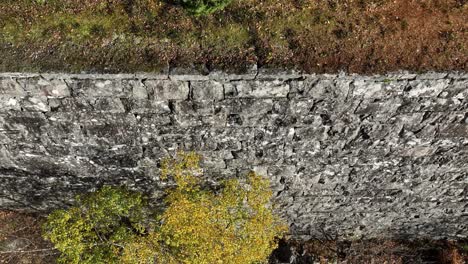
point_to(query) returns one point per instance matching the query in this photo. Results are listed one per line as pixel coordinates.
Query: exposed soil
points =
(362, 36)
(21, 242)
(371, 251)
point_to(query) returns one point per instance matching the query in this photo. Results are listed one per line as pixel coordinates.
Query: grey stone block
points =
(168, 90)
(276, 74)
(53, 88)
(188, 74)
(429, 88)
(10, 87)
(36, 103)
(9, 104)
(257, 89)
(99, 88)
(207, 90)
(139, 90)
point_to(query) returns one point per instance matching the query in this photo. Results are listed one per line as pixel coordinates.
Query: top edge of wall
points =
(252, 74)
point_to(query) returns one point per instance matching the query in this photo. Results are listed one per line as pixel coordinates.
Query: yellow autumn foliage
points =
(235, 225)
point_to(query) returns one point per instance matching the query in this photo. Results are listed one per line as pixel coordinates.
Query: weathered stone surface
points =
(9, 103)
(383, 89)
(139, 90)
(100, 87)
(43, 87)
(458, 89)
(168, 90)
(188, 74)
(10, 86)
(249, 74)
(428, 88)
(207, 90)
(276, 74)
(357, 156)
(36, 103)
(258, 89)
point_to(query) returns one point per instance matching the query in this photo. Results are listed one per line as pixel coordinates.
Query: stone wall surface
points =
(348, 155)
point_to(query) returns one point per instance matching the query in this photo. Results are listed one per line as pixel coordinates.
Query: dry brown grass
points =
(453, 255)
(21, 241)
(316, 36)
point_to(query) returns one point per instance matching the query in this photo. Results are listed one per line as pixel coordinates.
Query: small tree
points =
(234, 225)
(98, 227)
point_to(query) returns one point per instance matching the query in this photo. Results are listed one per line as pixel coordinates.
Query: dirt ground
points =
(373, 251)
(21, 242)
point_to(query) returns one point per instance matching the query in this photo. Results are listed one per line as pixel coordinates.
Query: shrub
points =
(233, 225)
(98, 227)
(203, 7)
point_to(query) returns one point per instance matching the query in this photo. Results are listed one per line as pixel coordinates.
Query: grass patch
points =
(229, 36)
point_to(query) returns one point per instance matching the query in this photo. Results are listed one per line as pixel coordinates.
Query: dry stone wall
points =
(348, 155)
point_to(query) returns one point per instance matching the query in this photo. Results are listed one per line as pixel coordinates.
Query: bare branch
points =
(26, 251)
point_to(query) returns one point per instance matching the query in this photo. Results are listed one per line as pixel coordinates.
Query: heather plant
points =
(235, 224)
